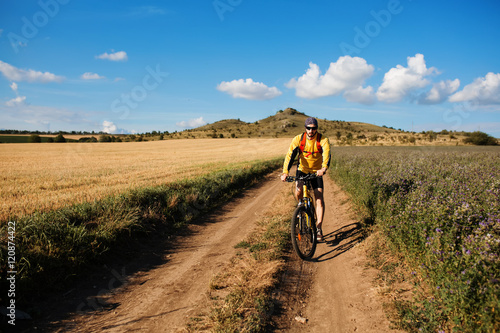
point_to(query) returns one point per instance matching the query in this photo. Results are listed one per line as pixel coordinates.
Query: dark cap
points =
(311, 121)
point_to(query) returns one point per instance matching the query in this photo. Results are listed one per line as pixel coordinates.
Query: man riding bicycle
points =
(314, 157)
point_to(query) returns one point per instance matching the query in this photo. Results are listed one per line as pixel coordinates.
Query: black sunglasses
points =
(311, 128)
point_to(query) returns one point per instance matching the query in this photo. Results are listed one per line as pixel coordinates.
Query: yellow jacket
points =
(308, 163)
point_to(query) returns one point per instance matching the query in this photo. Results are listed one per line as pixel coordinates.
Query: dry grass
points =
(48, 176)
(394, 281)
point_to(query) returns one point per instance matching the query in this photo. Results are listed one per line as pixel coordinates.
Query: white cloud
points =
(109, 127)
(91, 76)
(248, 89)
(192, 123)
(13, 86)
(117, 56)
(346, 74)
(16, 101)
(440, 92)
(360, 95)
(483, 91)
(399, 82)
(15, 74)
(145, 11)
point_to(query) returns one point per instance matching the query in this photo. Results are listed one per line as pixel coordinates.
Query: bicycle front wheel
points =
(303, 231)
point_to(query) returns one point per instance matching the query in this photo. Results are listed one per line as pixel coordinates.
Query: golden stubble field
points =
(47, 176)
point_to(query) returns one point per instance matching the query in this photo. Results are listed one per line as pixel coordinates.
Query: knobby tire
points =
(306, 244)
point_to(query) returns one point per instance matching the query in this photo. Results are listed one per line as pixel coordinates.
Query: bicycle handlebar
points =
(309, 176)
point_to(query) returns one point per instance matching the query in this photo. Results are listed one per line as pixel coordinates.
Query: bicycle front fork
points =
(304, 223)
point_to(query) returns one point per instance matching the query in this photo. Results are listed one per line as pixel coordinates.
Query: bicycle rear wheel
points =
(303, 236)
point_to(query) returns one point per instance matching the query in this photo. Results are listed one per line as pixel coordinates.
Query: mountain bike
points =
(303, 227)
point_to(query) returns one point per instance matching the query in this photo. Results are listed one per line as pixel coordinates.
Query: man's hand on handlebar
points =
(321, 172)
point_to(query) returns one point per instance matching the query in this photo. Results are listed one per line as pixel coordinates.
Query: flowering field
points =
(439, 208)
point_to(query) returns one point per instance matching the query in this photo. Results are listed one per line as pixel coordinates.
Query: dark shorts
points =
(315, 183)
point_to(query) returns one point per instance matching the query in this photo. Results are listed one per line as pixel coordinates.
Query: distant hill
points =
(285, 123)
(290, 122)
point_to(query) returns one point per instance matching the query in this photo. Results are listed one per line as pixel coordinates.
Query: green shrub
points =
(59, 138)
(481, 139)
(104, 138)
(87, 139)
(34, 138)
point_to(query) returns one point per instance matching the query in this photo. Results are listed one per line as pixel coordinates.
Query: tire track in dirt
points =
(163, 298)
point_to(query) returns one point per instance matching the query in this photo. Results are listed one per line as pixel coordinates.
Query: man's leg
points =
(298, 190)
(320, 207)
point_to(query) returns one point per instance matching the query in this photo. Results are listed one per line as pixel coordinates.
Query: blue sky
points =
(138, 66)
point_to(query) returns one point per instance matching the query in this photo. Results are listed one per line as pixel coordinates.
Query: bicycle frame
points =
(307, 201)
(303, 227)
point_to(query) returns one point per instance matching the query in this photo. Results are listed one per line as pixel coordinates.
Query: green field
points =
(24, 139)
(18, 139)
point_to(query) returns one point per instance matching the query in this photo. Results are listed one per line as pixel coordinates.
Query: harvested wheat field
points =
(48, 176)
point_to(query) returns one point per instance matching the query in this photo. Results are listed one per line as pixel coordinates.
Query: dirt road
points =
(161, 299)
